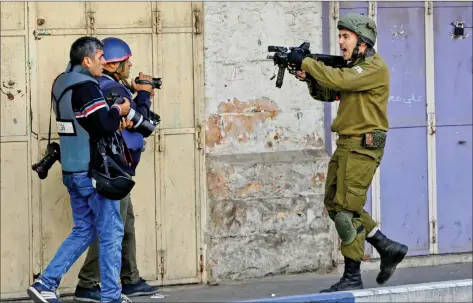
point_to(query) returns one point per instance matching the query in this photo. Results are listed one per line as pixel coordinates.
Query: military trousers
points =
(350, 172)
(89, 275)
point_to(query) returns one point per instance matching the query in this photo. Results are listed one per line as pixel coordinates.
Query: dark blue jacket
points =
(141, 104)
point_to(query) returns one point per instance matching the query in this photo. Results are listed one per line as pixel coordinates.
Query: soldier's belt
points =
(349, 136)
(369, 140)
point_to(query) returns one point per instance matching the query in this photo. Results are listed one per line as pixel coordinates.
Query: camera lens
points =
(157, 83)
(53, 154)
(39, 170)
(140, 123)
(134, 117)
(146, 128)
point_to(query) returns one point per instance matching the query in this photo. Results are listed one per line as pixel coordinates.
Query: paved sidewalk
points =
(300, 284)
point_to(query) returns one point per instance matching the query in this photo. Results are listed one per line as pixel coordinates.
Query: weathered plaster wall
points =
(266, 161)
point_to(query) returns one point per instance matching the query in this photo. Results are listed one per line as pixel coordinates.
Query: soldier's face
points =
(347, 42)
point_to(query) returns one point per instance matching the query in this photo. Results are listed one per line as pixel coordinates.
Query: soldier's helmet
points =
(361, 25)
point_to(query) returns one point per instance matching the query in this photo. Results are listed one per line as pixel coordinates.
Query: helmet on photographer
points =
(115, 50)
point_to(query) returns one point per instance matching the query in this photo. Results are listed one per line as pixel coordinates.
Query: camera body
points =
(53, 154)
(141, 124)
(155, 83)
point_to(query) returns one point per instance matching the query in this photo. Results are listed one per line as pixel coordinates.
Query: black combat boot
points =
(351, 278)
(391, 253)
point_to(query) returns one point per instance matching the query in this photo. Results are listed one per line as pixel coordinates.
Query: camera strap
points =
(50, 118)
(53, 98)
(107, 161)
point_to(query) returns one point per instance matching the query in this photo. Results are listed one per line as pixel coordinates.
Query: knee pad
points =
(345, 228)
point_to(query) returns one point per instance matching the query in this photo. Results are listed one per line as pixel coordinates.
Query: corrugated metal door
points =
(15, 230)
(453, 113)
(404, 170)
(166, 42)
(179, 60)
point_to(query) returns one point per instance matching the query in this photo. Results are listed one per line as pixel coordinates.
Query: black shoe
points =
(140, 288)
(351, 278)
(83, 294)
(391, 253)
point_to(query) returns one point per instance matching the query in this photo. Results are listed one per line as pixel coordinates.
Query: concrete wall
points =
(266, 160)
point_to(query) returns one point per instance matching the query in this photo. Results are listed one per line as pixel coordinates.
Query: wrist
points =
(117, 107)
(143, 97)
(145, 93)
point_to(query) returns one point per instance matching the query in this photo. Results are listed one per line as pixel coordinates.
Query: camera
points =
(156, 83)
(141, 124)
(53, 154)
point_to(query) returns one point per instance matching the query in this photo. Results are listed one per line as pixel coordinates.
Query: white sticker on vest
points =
(65, 127)
(358, 69)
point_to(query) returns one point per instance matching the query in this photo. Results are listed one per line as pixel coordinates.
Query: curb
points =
(446, 291)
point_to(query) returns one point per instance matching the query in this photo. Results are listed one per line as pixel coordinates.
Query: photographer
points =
(361, 123)
(114, 81)
(89, 142)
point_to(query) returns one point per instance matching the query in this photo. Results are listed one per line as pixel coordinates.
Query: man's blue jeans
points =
(93, 216)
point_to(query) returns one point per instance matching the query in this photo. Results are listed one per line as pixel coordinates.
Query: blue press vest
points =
(73, 138)
(134, 140)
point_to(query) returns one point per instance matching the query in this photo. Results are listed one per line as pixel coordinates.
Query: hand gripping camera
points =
(53, 154)
(141, 124)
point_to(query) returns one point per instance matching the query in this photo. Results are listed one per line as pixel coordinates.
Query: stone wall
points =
(266, 160)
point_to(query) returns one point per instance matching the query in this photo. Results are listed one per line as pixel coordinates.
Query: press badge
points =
(65, 128)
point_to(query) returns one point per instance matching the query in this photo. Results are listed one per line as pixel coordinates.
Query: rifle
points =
(280, 59)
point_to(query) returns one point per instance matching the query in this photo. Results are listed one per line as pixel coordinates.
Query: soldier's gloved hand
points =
(295, 59)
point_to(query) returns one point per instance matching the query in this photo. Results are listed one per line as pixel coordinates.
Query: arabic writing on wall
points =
(407, 99)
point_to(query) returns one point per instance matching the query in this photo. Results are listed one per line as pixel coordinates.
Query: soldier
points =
(361, 124)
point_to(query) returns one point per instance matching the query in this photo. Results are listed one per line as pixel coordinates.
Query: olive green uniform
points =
(363, 90)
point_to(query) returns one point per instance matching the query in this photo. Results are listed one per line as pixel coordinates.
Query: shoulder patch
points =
(358, 69)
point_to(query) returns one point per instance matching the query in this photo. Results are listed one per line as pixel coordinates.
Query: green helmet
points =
(361, 25)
